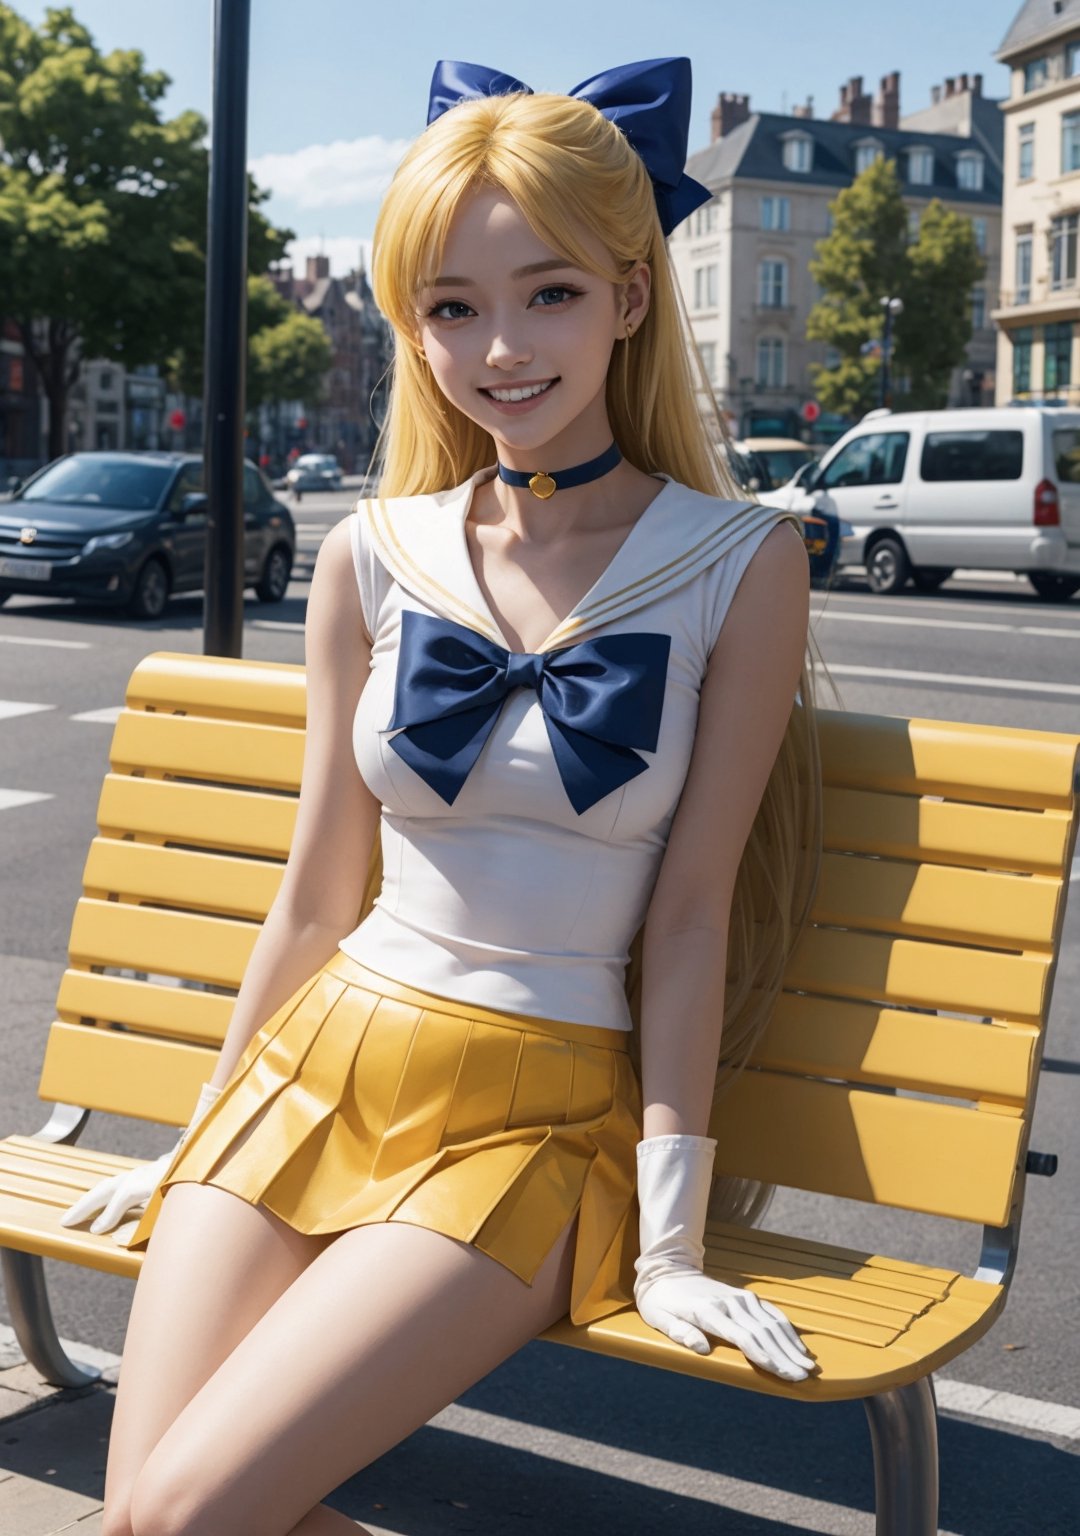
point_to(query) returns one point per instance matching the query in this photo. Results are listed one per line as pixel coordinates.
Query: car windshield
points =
(782, 463)
(100, 480)
(315, 461)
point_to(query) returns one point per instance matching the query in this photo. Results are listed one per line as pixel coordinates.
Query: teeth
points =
(507, 395)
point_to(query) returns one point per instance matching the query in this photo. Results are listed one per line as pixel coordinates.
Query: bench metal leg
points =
(903, 1430)
(32, 1319)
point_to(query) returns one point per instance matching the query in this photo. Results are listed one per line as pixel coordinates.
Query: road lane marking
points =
(67, 645)
(920, 623)
(1064, 613)
(951, 679)
(13, 799)
(10, 708)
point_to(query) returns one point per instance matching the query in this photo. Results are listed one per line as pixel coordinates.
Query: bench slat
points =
(966, 906)
(223, 751)
(945, 832)
(185, 1013)
(195, 945)
(239, 687)
(988, 764)
(835, 1140)
(874, 968)
(957, 1058)
(182, 877)
(124, 1074)
(233, 820)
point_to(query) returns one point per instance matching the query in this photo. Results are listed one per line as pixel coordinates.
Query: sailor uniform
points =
(463, 1062)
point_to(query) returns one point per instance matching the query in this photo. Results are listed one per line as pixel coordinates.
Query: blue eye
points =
(564, 292)
(448, 304)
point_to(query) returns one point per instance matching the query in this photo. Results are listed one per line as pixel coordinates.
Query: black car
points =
(129, 529)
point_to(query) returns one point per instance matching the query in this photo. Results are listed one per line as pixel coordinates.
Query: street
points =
(981, 649)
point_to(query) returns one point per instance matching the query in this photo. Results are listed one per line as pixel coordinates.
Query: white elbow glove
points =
(127, 1193)
(672, 1292)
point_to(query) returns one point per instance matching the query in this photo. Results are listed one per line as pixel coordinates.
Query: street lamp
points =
(891, 307)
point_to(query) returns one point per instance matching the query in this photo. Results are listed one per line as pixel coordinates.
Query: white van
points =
(994, 487)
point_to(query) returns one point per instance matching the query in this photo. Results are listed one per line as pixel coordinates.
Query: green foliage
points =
(102, 207)
(866, 256)
(288, 360)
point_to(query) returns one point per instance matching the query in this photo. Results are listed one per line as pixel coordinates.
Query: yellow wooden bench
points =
(900, 1066)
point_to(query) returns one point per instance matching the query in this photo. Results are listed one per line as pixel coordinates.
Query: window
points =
(1023, 269)
(913, 218)
(705, 287)
(105, 380)
(1021, 341)
(707, 350)
(771, 362)
(866, 154)
(1026, 167)
(1063, 251)
(1057, 356)
(1072, 60)
(1070, 142)
(772, 283)
(921, 166)
(256, 490)
(1067, 455)
(1036, 73)
(798, 152)
(978, 227)
(978, 308)
(981, 455)
(876, 459)
(828, 218)
(776, 213)
(705, 219)
(969, 170)
(187, 483)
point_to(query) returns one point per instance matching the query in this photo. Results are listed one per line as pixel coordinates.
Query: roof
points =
(1038, 21)
(754, 151)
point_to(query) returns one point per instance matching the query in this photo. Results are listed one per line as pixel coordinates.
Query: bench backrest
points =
(900, 1065)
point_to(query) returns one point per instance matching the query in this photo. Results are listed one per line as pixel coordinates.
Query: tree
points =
(288, 360)
(102, 208)
(867, 256)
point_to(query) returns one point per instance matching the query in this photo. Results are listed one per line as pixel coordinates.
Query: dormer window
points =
(920, 166)
(866, 152)
(798, 151)
(969, 170)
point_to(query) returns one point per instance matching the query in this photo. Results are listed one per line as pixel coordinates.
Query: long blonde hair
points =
(569, 169)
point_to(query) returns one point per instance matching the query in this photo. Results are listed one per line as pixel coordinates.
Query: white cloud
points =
(343, 251)
(331, 175)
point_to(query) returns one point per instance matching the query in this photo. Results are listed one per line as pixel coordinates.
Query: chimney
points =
(976, 85)
(935, 94)
(731, 109)
(804, 111)
(887, 104)
(950, 87)
(317, 266)
(854, 106)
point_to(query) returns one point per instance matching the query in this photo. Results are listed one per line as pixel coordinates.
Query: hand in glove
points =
(672, 1292)
(126, 1192)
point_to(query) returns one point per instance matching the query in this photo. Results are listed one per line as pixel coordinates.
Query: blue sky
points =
(339, 88)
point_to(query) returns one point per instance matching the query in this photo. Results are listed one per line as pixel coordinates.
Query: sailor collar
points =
(421, 541)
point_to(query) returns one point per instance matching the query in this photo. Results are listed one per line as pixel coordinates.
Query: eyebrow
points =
(552, 264)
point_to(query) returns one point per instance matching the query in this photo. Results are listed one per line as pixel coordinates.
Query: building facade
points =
(742, 260)
(346, 421)
(1040, 295)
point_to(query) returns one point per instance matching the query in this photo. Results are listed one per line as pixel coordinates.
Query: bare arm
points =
(746, 699)
(337, 816)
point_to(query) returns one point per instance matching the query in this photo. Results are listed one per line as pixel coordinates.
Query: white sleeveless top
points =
(508, 898)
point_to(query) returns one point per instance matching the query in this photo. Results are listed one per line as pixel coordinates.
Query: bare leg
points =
(386, 1327)
(213, 1267)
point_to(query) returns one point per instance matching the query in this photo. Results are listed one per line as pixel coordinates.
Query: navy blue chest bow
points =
(600, 699)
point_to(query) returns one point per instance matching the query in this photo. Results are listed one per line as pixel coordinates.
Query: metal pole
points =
(226, 333)
(885, 354)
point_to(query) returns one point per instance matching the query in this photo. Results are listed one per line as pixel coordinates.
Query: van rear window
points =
(980, 455)
(1067, 455)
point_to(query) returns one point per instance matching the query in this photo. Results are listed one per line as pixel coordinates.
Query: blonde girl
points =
(560, 761)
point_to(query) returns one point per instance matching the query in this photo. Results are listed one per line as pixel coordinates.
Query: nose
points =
(507, 349)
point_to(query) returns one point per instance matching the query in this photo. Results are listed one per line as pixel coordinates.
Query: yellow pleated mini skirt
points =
(363, 1099)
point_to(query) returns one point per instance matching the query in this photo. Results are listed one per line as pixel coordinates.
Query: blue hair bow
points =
(649, 102)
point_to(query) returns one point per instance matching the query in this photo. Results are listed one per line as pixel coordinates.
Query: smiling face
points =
(519, 339)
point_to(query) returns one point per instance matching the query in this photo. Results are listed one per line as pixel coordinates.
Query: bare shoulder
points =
(334, 602)
(773, 594)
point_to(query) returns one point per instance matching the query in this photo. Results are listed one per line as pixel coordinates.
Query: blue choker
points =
(544, 485)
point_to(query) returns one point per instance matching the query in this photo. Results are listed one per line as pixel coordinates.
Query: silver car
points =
(314, 472)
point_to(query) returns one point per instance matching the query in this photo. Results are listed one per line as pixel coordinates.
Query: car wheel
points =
(928, 578)
(887, 565)
(274, 581)
(151, 591)
(1057, 588)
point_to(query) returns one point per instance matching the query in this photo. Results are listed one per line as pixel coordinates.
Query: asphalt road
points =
(980, 650)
